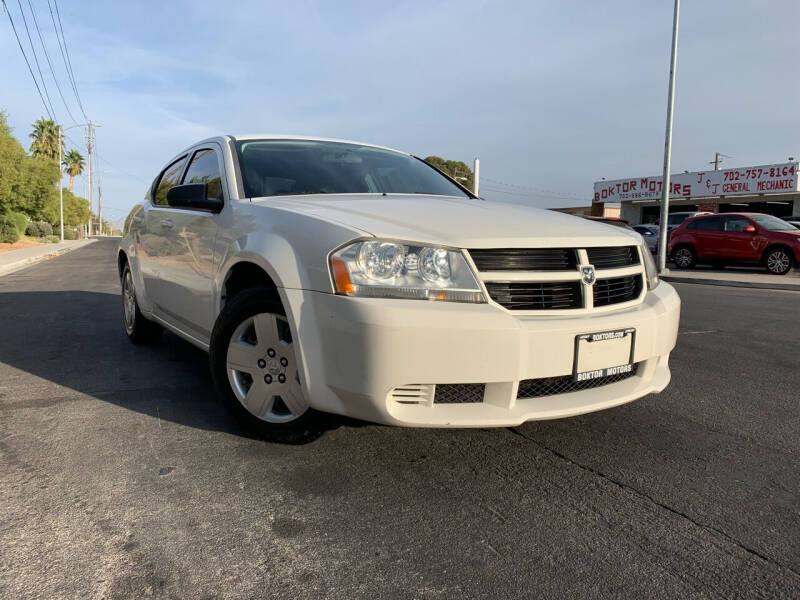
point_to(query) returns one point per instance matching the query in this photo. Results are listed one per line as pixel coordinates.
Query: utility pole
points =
(60, 182)
(100, 207)
(476, 186)
(662, 233)
(718, 156)
(89, 151)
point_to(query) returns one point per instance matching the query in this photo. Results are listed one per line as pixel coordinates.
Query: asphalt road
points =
(122, 477)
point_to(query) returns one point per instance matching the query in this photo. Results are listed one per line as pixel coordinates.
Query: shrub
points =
(39, 229)
(21, 219)
(70, 233)
(33, 229)
(8, 229)
(53, 239)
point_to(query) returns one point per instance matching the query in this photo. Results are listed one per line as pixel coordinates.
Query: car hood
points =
(456, 222)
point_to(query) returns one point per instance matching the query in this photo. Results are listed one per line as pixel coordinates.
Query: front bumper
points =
(355, 351)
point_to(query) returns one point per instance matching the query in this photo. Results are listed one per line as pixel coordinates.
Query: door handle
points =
(167, 223)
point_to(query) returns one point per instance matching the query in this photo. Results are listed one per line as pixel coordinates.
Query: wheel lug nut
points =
(284, 362)
(282, 378)
(261, 363)
(267, 378)
(270, 352)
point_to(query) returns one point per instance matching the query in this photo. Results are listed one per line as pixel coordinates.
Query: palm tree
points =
(73, 165)
(45, 139)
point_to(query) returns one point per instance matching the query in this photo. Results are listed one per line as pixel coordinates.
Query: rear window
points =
(169, 179)
(707, 224)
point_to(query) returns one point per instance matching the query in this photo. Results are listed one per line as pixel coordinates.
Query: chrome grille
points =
(524, 259)
(617, 290)
(536, 295)
(608, 258)
(551, 386)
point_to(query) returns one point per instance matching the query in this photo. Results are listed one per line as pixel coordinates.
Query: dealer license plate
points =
(603, 353)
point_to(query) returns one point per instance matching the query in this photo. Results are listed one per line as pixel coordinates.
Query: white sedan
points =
(340, 277)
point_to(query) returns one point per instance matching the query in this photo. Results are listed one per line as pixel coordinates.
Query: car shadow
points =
(75, 340)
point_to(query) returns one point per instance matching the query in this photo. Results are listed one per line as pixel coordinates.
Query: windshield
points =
(300, 167)
(773, 223)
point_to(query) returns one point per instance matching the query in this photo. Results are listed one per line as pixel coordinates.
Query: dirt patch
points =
(23, 242)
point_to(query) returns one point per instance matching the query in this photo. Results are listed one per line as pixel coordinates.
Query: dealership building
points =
(770, 189)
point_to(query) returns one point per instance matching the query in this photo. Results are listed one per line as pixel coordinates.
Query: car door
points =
(708, 236)
(154, 238)
(740, 239)
(187, 270)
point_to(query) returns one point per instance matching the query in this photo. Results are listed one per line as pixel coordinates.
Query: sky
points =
(551, 96)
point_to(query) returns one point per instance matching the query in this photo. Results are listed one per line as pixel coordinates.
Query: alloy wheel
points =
(262, 369)
(778, 262)
(683, 257)
(128, 301)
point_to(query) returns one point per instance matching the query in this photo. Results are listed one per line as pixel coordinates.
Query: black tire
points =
(140, 330)
(684, 257)
(778, 260)
(246, 305)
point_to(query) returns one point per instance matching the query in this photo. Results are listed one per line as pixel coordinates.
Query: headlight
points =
(383, 269)
(649, 267)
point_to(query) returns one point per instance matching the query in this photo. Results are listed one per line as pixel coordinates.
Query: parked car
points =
(650, 235)
(331, 276)
(608, 220)
(741, 238)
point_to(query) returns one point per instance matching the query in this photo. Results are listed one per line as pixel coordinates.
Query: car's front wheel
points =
(778, 261)
(255, 368)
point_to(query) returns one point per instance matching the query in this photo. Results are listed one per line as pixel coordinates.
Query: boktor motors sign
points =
(765, 179)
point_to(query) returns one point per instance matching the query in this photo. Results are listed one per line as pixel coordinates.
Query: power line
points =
(47, 56)
(36, 59)
(65, 54)
(27, 62)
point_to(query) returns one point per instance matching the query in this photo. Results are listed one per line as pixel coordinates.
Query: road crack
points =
(649, 498)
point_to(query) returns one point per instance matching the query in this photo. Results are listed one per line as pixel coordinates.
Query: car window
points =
(300, 167)
(707, 224)
(736, 223)
(169, 178)
(204, 168)
(676, 219)
(771, 223)
(644, 230)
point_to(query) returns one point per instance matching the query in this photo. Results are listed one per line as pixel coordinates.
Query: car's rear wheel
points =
(138, 329)
(684, 257)
(778, 261)
(255, 368)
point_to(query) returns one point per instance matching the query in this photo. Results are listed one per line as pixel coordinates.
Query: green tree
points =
(12, 157)
(73, 166)
(456, 169)
(76, 210)
(45, 139)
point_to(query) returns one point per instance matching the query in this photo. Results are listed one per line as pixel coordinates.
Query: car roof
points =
(307, 138)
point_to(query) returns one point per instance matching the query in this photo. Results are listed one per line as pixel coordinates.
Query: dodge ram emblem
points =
(588, 274)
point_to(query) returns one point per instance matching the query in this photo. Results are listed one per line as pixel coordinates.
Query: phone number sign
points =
(765, 179)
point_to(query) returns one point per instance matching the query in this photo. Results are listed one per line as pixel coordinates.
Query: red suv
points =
(744, 238)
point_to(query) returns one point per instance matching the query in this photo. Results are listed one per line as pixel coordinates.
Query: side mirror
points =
(749, 229)
(193, 195)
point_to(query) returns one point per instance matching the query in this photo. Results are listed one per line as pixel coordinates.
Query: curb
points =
(21, 264)
(787, 287)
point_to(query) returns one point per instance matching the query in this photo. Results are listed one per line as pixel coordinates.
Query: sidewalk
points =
(755, 277)
(13, 260)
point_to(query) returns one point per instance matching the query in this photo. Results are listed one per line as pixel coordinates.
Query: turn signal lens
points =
(341, 277)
